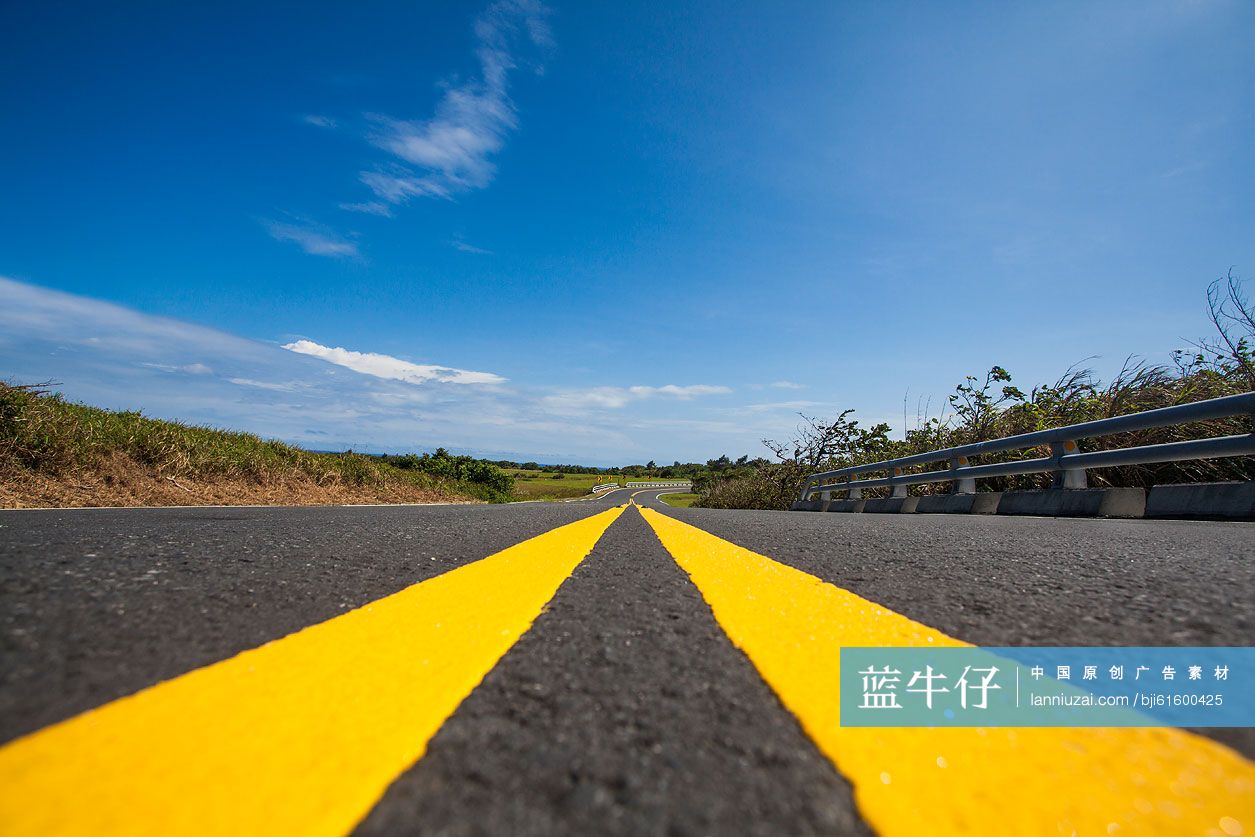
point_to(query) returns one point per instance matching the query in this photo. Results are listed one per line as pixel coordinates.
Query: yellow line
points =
(301, 735)
(792, 626)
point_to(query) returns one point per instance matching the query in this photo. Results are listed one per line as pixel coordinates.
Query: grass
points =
(538, 485)
(680, 500)
(44, 437)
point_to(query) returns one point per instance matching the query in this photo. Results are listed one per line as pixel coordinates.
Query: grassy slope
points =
(679, 500)
(56, 453)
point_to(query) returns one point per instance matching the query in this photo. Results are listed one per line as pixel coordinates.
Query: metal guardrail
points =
(1065, 462)
(685, 484)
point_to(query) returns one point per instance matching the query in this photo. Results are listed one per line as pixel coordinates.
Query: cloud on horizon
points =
(331, 398)
(577, 401)
(386, 366)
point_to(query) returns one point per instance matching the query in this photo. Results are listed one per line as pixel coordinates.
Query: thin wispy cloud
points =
(269, 385)
(683, 393)
(368, 208)
(775, 407)
(453, 150)
(386, 366)
(617, 397)
(187, 369)
(313, 239)
(785, 385)
(462, 247)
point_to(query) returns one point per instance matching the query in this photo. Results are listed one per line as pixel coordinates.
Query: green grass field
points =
(538, 485)
(679, 500)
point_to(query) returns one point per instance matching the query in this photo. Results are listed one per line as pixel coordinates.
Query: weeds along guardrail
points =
(1065, 462)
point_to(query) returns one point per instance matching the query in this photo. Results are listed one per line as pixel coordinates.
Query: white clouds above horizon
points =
(333, 398)
(574, 401)
(386, 366)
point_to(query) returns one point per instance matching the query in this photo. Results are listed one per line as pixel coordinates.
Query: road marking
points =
(792, 626)
(632, 497)
(301, 735)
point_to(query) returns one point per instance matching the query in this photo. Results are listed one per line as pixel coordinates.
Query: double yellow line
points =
(300, 736)
(792, 626)
(304, 734)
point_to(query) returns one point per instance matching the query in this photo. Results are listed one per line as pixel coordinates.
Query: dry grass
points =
(54, 453)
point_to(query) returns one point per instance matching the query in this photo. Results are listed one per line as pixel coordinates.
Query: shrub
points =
(991, 407)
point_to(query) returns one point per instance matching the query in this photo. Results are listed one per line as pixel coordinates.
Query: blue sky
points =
(607, 232)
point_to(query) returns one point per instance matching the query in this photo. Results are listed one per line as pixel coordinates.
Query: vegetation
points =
(679, 500)
(650, 470)
(490, 482)
(536, 484)
(991, 407)
(43, 437)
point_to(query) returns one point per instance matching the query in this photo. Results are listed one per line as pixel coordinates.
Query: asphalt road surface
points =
(617, 704)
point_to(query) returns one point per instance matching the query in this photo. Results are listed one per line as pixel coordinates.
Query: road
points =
(538, 691)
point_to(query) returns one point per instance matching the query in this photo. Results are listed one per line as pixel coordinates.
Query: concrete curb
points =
(1206, 500)
(1076, 502)
(985, 503)
(805, 505)
(891, 505)
(852, 506)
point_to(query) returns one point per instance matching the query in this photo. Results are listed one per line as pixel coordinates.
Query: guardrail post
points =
(805, 493)
(1066, 477)
(896, 490)
(854, 493)
(962, 485)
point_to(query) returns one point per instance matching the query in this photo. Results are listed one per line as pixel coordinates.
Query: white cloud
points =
(616, 397)
(316, 241)
(398, 187)
(462, 246)
(188, 369)
(320, 121)
(679, 392)
(119, 358)
(386, 366)
(368, 208)
(775, 407)
(273, 387)
(785, 385)
(452, 151)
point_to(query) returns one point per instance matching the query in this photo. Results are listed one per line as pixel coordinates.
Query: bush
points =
(491, 482)
(991, 407)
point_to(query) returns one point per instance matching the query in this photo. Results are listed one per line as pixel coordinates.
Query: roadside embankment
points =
(56, 453)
